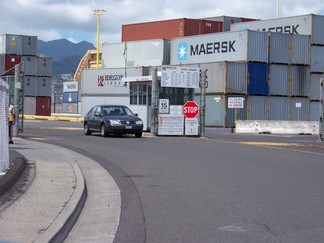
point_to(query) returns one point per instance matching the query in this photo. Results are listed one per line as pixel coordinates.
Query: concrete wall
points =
(277, 127)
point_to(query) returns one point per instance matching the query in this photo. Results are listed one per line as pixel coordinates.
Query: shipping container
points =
(257, 107)
(43, 106)
(10, 61)
(227, 46)
(10, 80)
(278, 79)
(30, 105)
(30, 85)
(303, 25)
(300, 49)
(2, 64)
(29, 45)
(299, 78)
(226, 20)
(299, 109)
(70, 108)
(44, 86)
(314, 107)
(278, 108)
(317, 59)
(70, 97)
(70, 86)
(30, 67)
(258, 79)
(314, 86)
(280, 48)
(11, 44)
(108, 80)
(44, 66)
(136, 54)
(169, 29)
(231, 114)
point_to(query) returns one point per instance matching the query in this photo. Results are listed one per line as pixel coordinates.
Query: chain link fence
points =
(4, 139)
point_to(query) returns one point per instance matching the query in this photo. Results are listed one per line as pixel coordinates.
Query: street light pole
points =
(98, 13)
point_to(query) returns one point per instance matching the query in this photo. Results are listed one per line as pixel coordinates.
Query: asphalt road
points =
(222, 188)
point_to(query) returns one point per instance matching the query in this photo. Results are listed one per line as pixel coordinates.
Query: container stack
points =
(269, 70)
(70, 97)
(312, 26)
(37, 72)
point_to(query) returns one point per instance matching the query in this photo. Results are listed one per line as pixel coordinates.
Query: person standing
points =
(11, 121)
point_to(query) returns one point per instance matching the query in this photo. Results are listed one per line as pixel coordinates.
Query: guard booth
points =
(140, 97)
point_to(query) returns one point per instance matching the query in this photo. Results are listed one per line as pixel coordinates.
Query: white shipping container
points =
(136, 53)
(304, 25)
(226, 46)
(107, 80)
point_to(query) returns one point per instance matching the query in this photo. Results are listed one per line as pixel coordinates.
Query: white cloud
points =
(75, 20)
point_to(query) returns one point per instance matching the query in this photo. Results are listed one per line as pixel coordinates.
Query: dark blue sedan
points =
(112, 119)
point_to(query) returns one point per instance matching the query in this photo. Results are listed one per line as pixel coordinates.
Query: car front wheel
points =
(86, 129)
(103, 130)
(138, 134)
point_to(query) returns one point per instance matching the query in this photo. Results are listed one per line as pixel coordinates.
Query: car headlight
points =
(139, 122)
(115, 122)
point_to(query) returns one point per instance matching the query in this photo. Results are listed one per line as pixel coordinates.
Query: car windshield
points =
(116, 110)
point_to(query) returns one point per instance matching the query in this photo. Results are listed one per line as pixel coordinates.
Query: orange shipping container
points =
(169, 29)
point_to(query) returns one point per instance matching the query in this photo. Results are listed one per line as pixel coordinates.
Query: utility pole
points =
(98, 13)
(203, 86)
(321, 110)
(277, 8)
(154, 103)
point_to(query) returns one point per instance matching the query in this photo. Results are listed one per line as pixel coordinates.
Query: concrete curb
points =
(17, 166)
(54, 118)
(63, 224)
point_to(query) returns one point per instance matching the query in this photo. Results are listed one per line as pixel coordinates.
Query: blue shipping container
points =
(258, 79)
(70, 97)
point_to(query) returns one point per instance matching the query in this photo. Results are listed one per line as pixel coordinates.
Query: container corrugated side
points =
(278, 79)
(314, 86)
(43, 106)
(227, 21)
(215, 110)
(107, 80)
(280, 48)
(258, 79)
(44, 86)
(30, 86)
(278, 108)
(299, 77)
(10, 62)
(299, 113)
(29, 45)
(256, 107)
(30, 105)
(136, 54)
(317, 59)
(225, 46)
(300, 49)
(44, 66)
(314, 111)
(30, 67)
(11, 44)
(318, 30)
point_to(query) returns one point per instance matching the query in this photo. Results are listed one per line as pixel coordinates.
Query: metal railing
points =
(4, 139)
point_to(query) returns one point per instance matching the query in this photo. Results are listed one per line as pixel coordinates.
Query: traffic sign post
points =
(191, 110)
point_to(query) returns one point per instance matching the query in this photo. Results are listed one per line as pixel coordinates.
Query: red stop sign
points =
(190, 109)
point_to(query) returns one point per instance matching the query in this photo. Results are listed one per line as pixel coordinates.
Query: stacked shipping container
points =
(310, 25)
(37, 78)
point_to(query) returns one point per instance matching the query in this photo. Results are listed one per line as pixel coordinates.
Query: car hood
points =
(123, 118)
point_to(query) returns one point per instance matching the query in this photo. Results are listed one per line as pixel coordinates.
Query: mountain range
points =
(66, 54)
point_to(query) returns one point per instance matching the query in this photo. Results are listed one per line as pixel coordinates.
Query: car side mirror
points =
(136, 114)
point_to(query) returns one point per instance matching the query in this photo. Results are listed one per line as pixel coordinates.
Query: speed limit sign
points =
(164, 106)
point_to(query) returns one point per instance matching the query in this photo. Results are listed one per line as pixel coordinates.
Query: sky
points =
(75, 20)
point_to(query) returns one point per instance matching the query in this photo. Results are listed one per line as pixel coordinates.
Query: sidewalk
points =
(59, 189)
